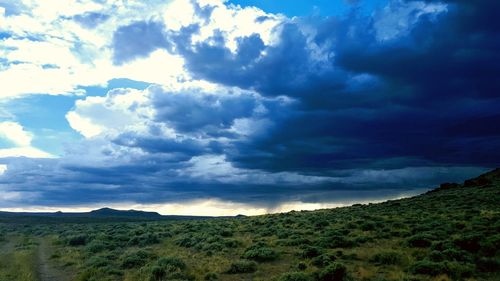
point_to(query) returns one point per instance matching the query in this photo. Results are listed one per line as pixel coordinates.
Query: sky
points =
(214, 107)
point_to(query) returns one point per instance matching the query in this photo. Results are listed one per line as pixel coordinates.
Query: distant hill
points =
(99, 215)
(108, 212)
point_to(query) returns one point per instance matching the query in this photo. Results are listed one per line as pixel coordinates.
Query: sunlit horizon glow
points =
(210, 207)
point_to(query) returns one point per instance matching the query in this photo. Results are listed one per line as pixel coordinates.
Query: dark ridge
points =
(486, 179)
(108, 212)
(99, 215)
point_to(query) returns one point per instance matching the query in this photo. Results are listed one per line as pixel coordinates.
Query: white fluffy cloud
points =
(15, 133)
(130, 110)
(27, 151)
(21, 140)
(58, 51)
(119, 111)
(234, 21)
(83, 125)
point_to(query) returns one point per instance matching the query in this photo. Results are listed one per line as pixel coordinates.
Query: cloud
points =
(247, 106)
(356, 80)
(188, 120)
(137, 40)
(29, 151)
(15, 133)
(72, 47)
(21, 139)
(91, 19)
(195, 109)
(83, 125)
(398, 18)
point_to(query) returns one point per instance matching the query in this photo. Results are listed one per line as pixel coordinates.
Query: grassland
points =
(451, 233)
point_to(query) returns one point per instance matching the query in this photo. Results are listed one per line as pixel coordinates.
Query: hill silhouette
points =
(108, 212)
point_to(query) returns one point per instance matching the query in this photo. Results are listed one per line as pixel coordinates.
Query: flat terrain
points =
(450, 233)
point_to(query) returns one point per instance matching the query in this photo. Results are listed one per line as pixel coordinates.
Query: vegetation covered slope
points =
(450, 233)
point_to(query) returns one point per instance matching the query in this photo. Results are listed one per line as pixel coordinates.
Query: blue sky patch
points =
(310, 7)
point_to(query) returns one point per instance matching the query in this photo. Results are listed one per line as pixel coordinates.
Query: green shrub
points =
(321, 224)
(301, 266)
(399, 233)
(366, 226)
(363, 239)
(168, 268)
(333, 272)
(98, 274)
(95, 246)
(157, 273)
(211, 276)
(488, 264)
(187, 241)
(491, 245)
(458, 270)
(351, 256)
(212, 247)
(171, 263)
(323, 260)
(136, 259)
(387, 258)
(260, 254)
(144, 240)
(469, 242)
(297, 241)
(336, 241)
(427, 267)
(98, 262)
(311, 252)
(294, 276)
(242, 266)
(451, 255)
(226, 233)
(231, 243)
(420, 240)
(77, 240)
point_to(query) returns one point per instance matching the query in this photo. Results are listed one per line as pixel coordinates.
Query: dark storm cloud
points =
(453, 57)
(427, 93)
(372, 106)
(184, 149)
(156, 181)
(286, 69)
(200, 112)
(136, 40)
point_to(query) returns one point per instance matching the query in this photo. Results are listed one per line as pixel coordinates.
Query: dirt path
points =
(46, 269)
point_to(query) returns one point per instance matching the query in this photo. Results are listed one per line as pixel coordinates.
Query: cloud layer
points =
(248, 106)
